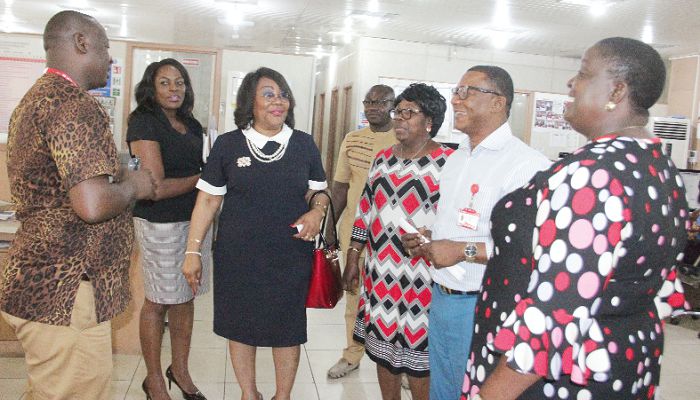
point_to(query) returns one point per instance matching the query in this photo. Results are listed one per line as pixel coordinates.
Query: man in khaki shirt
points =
(357, 152)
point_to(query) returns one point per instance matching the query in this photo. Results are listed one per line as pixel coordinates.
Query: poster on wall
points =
(445, 134)
(235, 78)
(114, 82)
(22, 61)
(17, 75)
(551, 134)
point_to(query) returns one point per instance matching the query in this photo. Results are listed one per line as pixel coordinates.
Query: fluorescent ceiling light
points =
(586, 3)
(251, 2)
(499, 36)
(500, 39)
(501, 15)
(369, 17)
(648, 34)
(596, 7)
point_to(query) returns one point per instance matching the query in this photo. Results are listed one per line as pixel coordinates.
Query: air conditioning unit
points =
(675, 137)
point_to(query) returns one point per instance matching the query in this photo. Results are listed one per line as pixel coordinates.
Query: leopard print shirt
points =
(59, 136)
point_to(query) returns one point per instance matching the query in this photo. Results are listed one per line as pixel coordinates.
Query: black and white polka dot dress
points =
(584, 268)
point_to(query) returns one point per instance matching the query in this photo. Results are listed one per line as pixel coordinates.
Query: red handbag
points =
(325, 287)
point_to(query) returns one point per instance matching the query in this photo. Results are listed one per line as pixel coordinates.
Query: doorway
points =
(203, 66)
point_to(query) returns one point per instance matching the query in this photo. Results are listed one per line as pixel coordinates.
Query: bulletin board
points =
(22, 62)
(446, 134)
(551, 134)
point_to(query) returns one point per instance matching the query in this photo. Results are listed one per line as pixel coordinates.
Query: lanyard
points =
(474, 189)
(61, 74)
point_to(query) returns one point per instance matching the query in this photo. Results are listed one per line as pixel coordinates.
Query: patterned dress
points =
(395, 293)
(598, 235)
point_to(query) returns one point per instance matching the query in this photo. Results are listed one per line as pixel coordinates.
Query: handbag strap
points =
(331, 211)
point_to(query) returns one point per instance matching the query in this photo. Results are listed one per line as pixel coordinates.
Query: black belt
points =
(447, 290)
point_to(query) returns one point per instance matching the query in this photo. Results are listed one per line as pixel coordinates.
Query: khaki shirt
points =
(59, 136)
(358, 150)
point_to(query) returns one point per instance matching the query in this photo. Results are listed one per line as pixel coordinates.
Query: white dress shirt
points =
(499, 164)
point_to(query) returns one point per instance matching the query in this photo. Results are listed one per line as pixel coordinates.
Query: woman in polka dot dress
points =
(585, 254)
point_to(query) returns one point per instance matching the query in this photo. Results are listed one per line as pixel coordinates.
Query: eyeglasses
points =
(405, 113)
(271, 96)
(373, 103)
(463, 91)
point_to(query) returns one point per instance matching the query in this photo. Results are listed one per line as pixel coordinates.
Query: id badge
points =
(468, 218)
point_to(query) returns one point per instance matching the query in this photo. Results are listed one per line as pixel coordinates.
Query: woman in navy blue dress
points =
(264, 172)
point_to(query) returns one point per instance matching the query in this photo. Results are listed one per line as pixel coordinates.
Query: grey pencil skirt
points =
(162, 247)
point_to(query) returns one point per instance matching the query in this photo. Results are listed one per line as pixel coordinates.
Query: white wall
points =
(363, 63)
(442, 63)
(297, 70)
(371, 58)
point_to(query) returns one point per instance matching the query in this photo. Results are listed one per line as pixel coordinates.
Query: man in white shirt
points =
(490, 163)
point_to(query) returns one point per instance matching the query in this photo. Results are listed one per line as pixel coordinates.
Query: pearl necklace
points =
(408, 160)
(266, 158)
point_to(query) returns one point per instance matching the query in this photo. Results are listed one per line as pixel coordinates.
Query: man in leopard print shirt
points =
(67, 272)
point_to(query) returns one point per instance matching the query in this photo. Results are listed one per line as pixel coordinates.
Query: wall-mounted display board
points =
(17, 75)
(22, 62)
(446, 133)
(551, 134)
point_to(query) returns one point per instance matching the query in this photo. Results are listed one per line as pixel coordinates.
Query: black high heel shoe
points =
(145, 390)
(188, 396)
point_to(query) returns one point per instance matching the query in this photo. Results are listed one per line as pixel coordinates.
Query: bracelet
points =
(194, 252)
(355, 249)
(324, 207)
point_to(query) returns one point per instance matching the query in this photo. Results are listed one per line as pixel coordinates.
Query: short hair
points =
(430, 101)
(388, 91)
(146, 88)
(638, 65)
(245, 99)
(65, 23)
(501, 79)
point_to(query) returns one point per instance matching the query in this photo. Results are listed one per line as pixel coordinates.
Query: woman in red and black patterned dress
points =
(585, 254)
(395, 293)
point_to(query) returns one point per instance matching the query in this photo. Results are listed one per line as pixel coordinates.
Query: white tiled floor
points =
(211, 367)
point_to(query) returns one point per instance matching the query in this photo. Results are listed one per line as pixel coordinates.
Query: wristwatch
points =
(470, 251)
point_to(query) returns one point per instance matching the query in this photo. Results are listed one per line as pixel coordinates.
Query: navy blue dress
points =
(261, 273)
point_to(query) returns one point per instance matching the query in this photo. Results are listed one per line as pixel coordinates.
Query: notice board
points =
(551, 134)
(21, 63)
